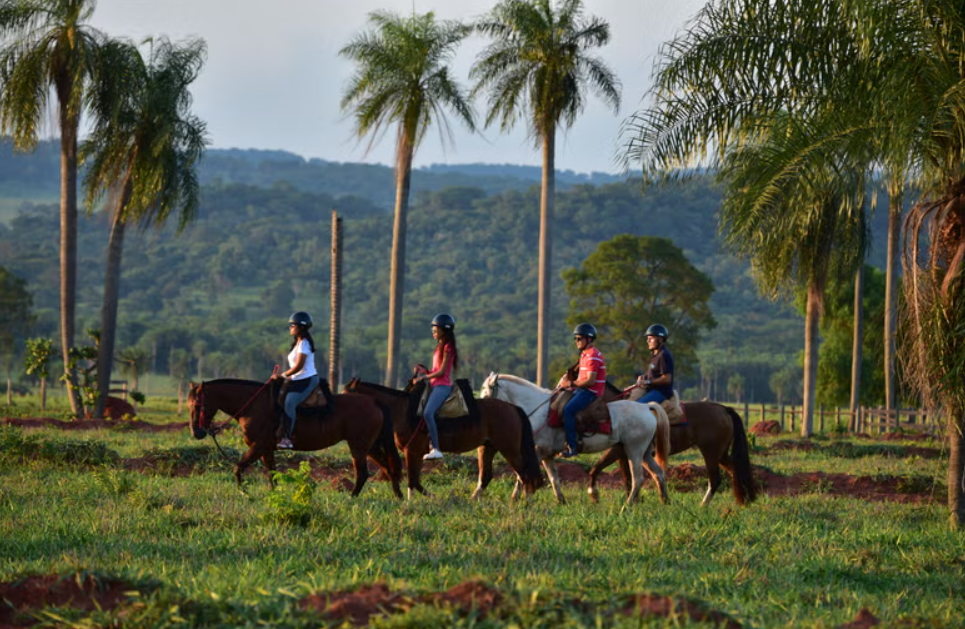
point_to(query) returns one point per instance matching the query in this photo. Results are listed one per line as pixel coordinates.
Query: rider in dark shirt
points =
(658, 380)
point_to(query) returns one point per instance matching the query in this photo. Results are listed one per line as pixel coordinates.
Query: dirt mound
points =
(358, 606)
(769, 427)
(863, 620)
(652, 605)
(24, 598)
(886, 488)
(93, 424)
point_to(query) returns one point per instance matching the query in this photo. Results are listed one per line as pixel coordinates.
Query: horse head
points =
(352, 386)
(200, 413)
(490, 385)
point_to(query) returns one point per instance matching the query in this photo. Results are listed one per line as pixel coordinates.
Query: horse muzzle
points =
(199, 433)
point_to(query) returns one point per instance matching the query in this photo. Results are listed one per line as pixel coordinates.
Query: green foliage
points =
(138, 397)
(291, 502)
(837, 332)
(629, 282)
(39, 352)
(16, 316)
(18, 447)
(112, 482)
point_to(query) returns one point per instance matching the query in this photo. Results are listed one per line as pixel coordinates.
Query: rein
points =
(214, 431)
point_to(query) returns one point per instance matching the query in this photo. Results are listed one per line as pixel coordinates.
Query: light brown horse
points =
(496, 427)
(716, 430)
(355, 419)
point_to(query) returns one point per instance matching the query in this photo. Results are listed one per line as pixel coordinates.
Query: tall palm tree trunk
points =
(68, 251)
(956, 468)
(856, 347)
(895, 194)
(112, 286)
(403, 177)
(811, 317)
(547, 203)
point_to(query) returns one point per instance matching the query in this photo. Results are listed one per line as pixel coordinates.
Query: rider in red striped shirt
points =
(590, 382)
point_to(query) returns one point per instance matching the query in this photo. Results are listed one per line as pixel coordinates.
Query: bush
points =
(291, 501)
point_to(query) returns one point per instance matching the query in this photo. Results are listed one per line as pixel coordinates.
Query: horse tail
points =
(661, 439)
(386, 443)
(529, 470)
(745, 487)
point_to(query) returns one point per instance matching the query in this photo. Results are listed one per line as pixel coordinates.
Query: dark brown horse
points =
(355, 419)
(716, 430)
(495, 426)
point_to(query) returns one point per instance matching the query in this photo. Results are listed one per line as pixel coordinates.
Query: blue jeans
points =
(580, 400)
(298, 390)
(437, 396)
(653, 396)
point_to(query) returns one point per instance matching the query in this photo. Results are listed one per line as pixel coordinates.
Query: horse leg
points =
(657, 473)
(413, 467)
(268, 460)
(485, 455)
(360, 463)
(636, 476)
(246, 459)
(713, 479)
(615, 454)
(550, 466)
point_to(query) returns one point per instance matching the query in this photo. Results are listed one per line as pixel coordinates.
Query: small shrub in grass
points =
(920, 485)
(291, 501)
(112, 482)
(16, 446)
(196, 457)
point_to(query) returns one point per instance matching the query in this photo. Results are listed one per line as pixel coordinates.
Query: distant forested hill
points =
(222, 290)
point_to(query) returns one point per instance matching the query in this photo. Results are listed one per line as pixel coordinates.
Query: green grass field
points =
(200, 553)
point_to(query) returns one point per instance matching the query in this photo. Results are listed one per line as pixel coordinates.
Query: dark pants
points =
(580, 400)
(653, 396)
(295, 392)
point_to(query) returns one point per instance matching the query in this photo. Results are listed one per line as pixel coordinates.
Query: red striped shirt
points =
(592, 360)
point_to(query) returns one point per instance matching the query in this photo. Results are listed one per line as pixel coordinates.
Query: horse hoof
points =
(594, 496)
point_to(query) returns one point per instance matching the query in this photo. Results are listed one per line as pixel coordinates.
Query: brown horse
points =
(356, 419)
(716, 430)
(495, 426)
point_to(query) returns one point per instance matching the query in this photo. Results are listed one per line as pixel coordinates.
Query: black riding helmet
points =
(658, 330)
(585, 329)
(443, 320)
(301, 318)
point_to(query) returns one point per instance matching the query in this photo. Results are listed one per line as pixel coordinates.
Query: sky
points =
(273, 78)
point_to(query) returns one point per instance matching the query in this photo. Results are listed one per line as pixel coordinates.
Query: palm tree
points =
(142, 153)
(538, 67)
(799, 226)
(403, 79)
(48, 49)
(750, 94)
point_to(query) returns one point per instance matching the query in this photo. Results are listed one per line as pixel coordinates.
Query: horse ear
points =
(191, 384)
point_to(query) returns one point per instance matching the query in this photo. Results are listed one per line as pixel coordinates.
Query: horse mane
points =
(238, 381)
(384, 389)
(522, 381)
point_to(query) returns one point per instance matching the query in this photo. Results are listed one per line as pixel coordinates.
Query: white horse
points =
(632, 424)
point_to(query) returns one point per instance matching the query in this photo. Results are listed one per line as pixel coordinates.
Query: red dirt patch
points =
(863, 620)
(769, 427)
(93, 424)
(358, 605)
(863, 487)
(648, 605)
(32, 594)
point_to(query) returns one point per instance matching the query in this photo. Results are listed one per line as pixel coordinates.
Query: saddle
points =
(455, 405)
(673, 406)
(593, 419)
(317, 402)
